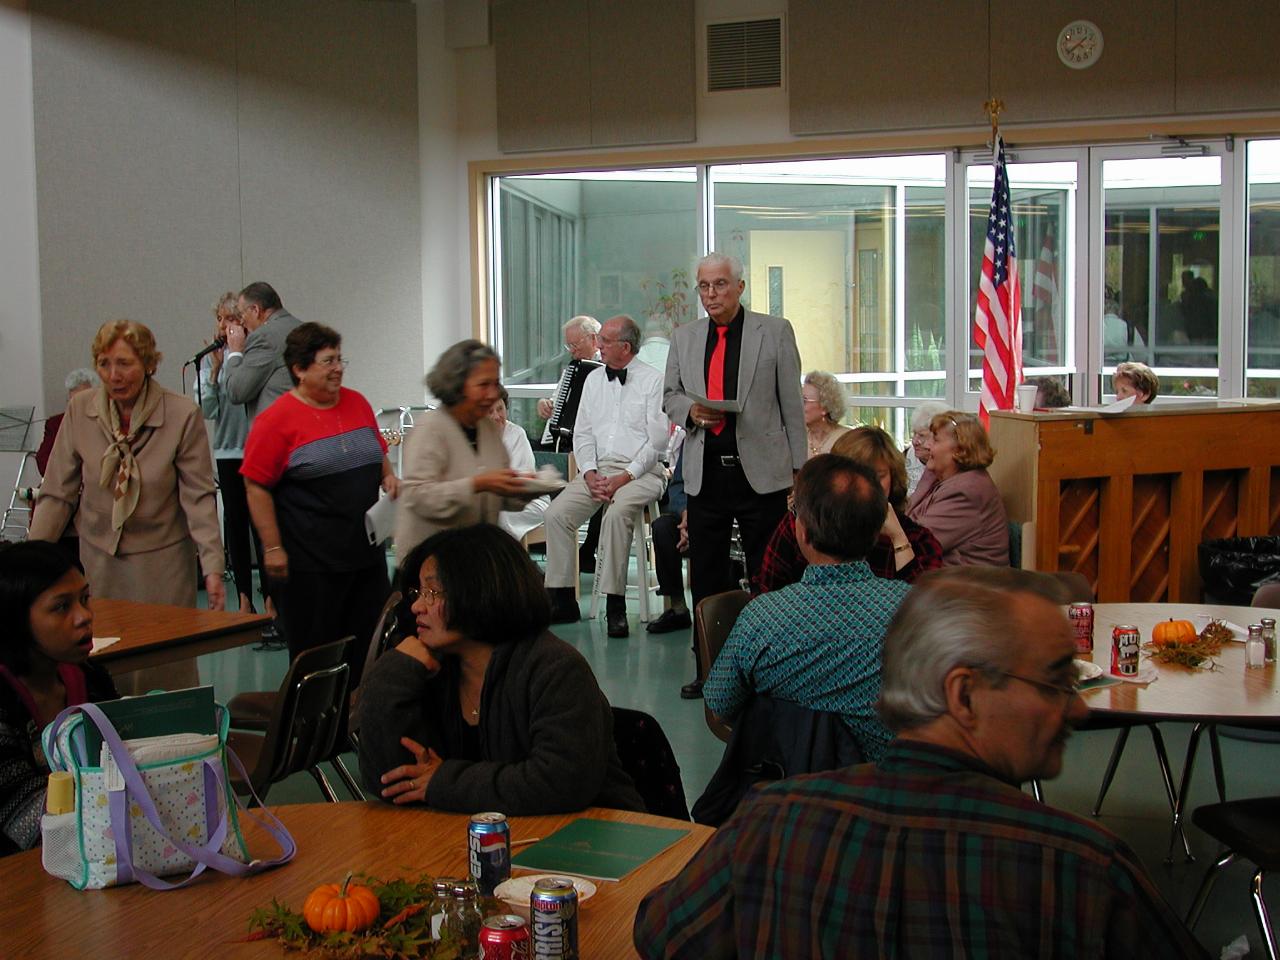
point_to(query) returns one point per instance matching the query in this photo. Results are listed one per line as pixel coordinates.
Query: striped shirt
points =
(816, 643)
(926, 854)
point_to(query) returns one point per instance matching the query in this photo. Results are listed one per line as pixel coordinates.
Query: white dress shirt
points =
(622, 421)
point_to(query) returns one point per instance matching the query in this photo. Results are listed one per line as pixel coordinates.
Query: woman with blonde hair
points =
(902, 551)
(957, 499)
(823, 408)
(1137, 380)
(134, 457)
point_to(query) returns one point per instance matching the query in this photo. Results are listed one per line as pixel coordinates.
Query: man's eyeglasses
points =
(334, 362)
(1056, 690)
(719, 286)
(431, 595)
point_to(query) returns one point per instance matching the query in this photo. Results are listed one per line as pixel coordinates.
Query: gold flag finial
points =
(994, 108)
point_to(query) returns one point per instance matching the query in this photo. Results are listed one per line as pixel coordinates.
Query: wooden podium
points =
(1125, 499)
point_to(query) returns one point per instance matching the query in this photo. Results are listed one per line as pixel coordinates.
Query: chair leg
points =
(1180, 803)
(1037, 790)
(1260, 910)
(348, 780)
(1215, 751)
(325, 787)
(1162, 757)
(1206, 885)
(1110, 773)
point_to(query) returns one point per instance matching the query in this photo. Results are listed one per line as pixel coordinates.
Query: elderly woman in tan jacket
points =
(456, 468)
(135, 458)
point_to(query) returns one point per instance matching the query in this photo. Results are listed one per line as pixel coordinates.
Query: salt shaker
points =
(1269, 637)
(1255, 649)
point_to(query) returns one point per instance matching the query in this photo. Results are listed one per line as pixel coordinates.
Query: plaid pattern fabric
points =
(783, 562)
(816, 643)
(924, 855)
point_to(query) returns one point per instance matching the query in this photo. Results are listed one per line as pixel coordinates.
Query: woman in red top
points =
(48, 632)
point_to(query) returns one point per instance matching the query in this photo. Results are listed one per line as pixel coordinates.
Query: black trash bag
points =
(1234, 567)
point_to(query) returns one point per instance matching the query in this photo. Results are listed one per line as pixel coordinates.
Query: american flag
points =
(997, 319)
(1044, 293)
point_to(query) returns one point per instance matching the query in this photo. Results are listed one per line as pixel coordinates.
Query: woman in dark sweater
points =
(44, 610)
(490, 710)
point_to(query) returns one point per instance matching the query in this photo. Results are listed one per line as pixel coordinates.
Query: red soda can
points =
(1081, 616)
(504, 936)
(1125, 642)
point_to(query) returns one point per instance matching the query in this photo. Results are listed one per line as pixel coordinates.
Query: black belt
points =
(725, 460)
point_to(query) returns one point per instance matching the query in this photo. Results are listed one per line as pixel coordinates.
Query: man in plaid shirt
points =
(934, 851)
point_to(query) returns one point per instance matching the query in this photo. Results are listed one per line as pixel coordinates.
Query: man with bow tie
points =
(618, 441)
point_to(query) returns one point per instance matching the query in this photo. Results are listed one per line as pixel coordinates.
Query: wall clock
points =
(1080, 44)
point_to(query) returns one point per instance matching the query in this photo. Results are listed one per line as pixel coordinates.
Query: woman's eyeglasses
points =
(431, 595)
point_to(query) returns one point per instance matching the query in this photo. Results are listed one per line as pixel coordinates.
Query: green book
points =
(598, 849)
(154, 715)
(1101, 681)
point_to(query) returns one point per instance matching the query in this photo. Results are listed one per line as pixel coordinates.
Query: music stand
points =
(15, 435)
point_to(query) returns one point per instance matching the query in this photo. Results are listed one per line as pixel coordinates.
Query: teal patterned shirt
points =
(816, 643)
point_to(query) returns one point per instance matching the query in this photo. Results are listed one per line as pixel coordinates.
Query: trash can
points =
(1234, 567)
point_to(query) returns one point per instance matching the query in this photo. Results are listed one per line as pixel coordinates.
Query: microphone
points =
(218, 344)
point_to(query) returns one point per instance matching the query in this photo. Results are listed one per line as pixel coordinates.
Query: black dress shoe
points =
(616, 624)
(565, 611)
(691, 691)
(670, 620)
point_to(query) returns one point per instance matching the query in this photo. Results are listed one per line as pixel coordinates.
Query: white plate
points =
(538, 485)
(1146, 674)
(1087, 669)
(516, 890)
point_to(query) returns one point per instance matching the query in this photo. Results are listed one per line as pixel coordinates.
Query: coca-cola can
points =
(504, 936)
(1081, 616)
(1125, 644)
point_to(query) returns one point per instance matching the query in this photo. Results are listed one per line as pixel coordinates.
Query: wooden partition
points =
(1126, 499)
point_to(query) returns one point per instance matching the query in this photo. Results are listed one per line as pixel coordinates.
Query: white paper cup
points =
(1027, 398)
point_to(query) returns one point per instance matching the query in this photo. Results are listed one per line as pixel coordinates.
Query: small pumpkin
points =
(350, 907)
(1171, 633)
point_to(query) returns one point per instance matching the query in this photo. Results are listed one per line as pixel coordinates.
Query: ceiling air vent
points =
(744, 55)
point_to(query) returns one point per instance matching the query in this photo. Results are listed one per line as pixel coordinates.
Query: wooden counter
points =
(1126, 499)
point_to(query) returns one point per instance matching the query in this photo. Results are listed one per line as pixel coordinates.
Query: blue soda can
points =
(489, 850)
(553, 915)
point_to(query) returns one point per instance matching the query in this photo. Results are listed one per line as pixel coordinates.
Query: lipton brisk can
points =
(504, 936)
(489, 850)
(1125, 642)
(1081, 616)
(553, 914)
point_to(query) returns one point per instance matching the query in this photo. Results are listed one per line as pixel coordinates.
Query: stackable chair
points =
(647, 757)
(712, 621)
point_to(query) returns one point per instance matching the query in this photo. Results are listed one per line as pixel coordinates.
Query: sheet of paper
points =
(101, 643)
(728, 406)
(380, 520)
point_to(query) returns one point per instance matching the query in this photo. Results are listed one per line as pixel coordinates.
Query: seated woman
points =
(904, 549)
(48, 632)
(1137, 380)
(823, 407)
(484, 709)
(520, 453)
(957, 499)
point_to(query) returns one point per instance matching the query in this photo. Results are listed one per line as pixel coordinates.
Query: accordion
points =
(558, 435)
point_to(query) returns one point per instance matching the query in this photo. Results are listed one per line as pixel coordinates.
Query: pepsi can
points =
(553, 914)
(489, 850)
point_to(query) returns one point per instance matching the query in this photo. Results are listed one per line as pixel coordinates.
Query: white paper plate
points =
(516, 890)
(1087, 669)
(1146, 674)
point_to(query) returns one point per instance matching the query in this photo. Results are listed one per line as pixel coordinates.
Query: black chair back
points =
(712, 622)
(647, 757)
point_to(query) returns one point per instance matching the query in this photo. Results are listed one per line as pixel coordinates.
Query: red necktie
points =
(715, 372)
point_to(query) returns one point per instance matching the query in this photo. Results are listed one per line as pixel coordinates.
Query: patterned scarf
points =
(120, 473)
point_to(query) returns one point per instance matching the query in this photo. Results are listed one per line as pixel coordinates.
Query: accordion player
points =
(558, 435)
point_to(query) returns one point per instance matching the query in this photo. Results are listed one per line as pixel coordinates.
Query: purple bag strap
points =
(205, 855)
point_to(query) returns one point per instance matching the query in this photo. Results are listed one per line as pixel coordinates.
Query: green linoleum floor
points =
(645, 672)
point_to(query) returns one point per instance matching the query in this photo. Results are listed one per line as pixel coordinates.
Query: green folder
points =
(598, 849)
(154, 715)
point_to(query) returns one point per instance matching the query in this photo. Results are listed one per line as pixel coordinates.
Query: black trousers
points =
(727, 496)
(236, 527)
(319, 608)
(666, 558)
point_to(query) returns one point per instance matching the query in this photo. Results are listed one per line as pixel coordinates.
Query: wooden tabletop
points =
(152, 634)
(43, 917)
(1231, 694)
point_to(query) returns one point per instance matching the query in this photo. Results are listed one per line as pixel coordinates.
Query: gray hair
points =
(830, 393)
(721, 260)
(228, 299)
(956, 617)
(588, 325)
(628, 332)
(449, 376)
(925, 412)
(80, 377)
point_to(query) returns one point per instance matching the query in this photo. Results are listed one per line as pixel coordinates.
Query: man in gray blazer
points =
(253, 369)
(737, 465)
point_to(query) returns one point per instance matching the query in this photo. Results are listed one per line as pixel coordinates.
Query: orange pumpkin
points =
(348, 907)
(1170, 633)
